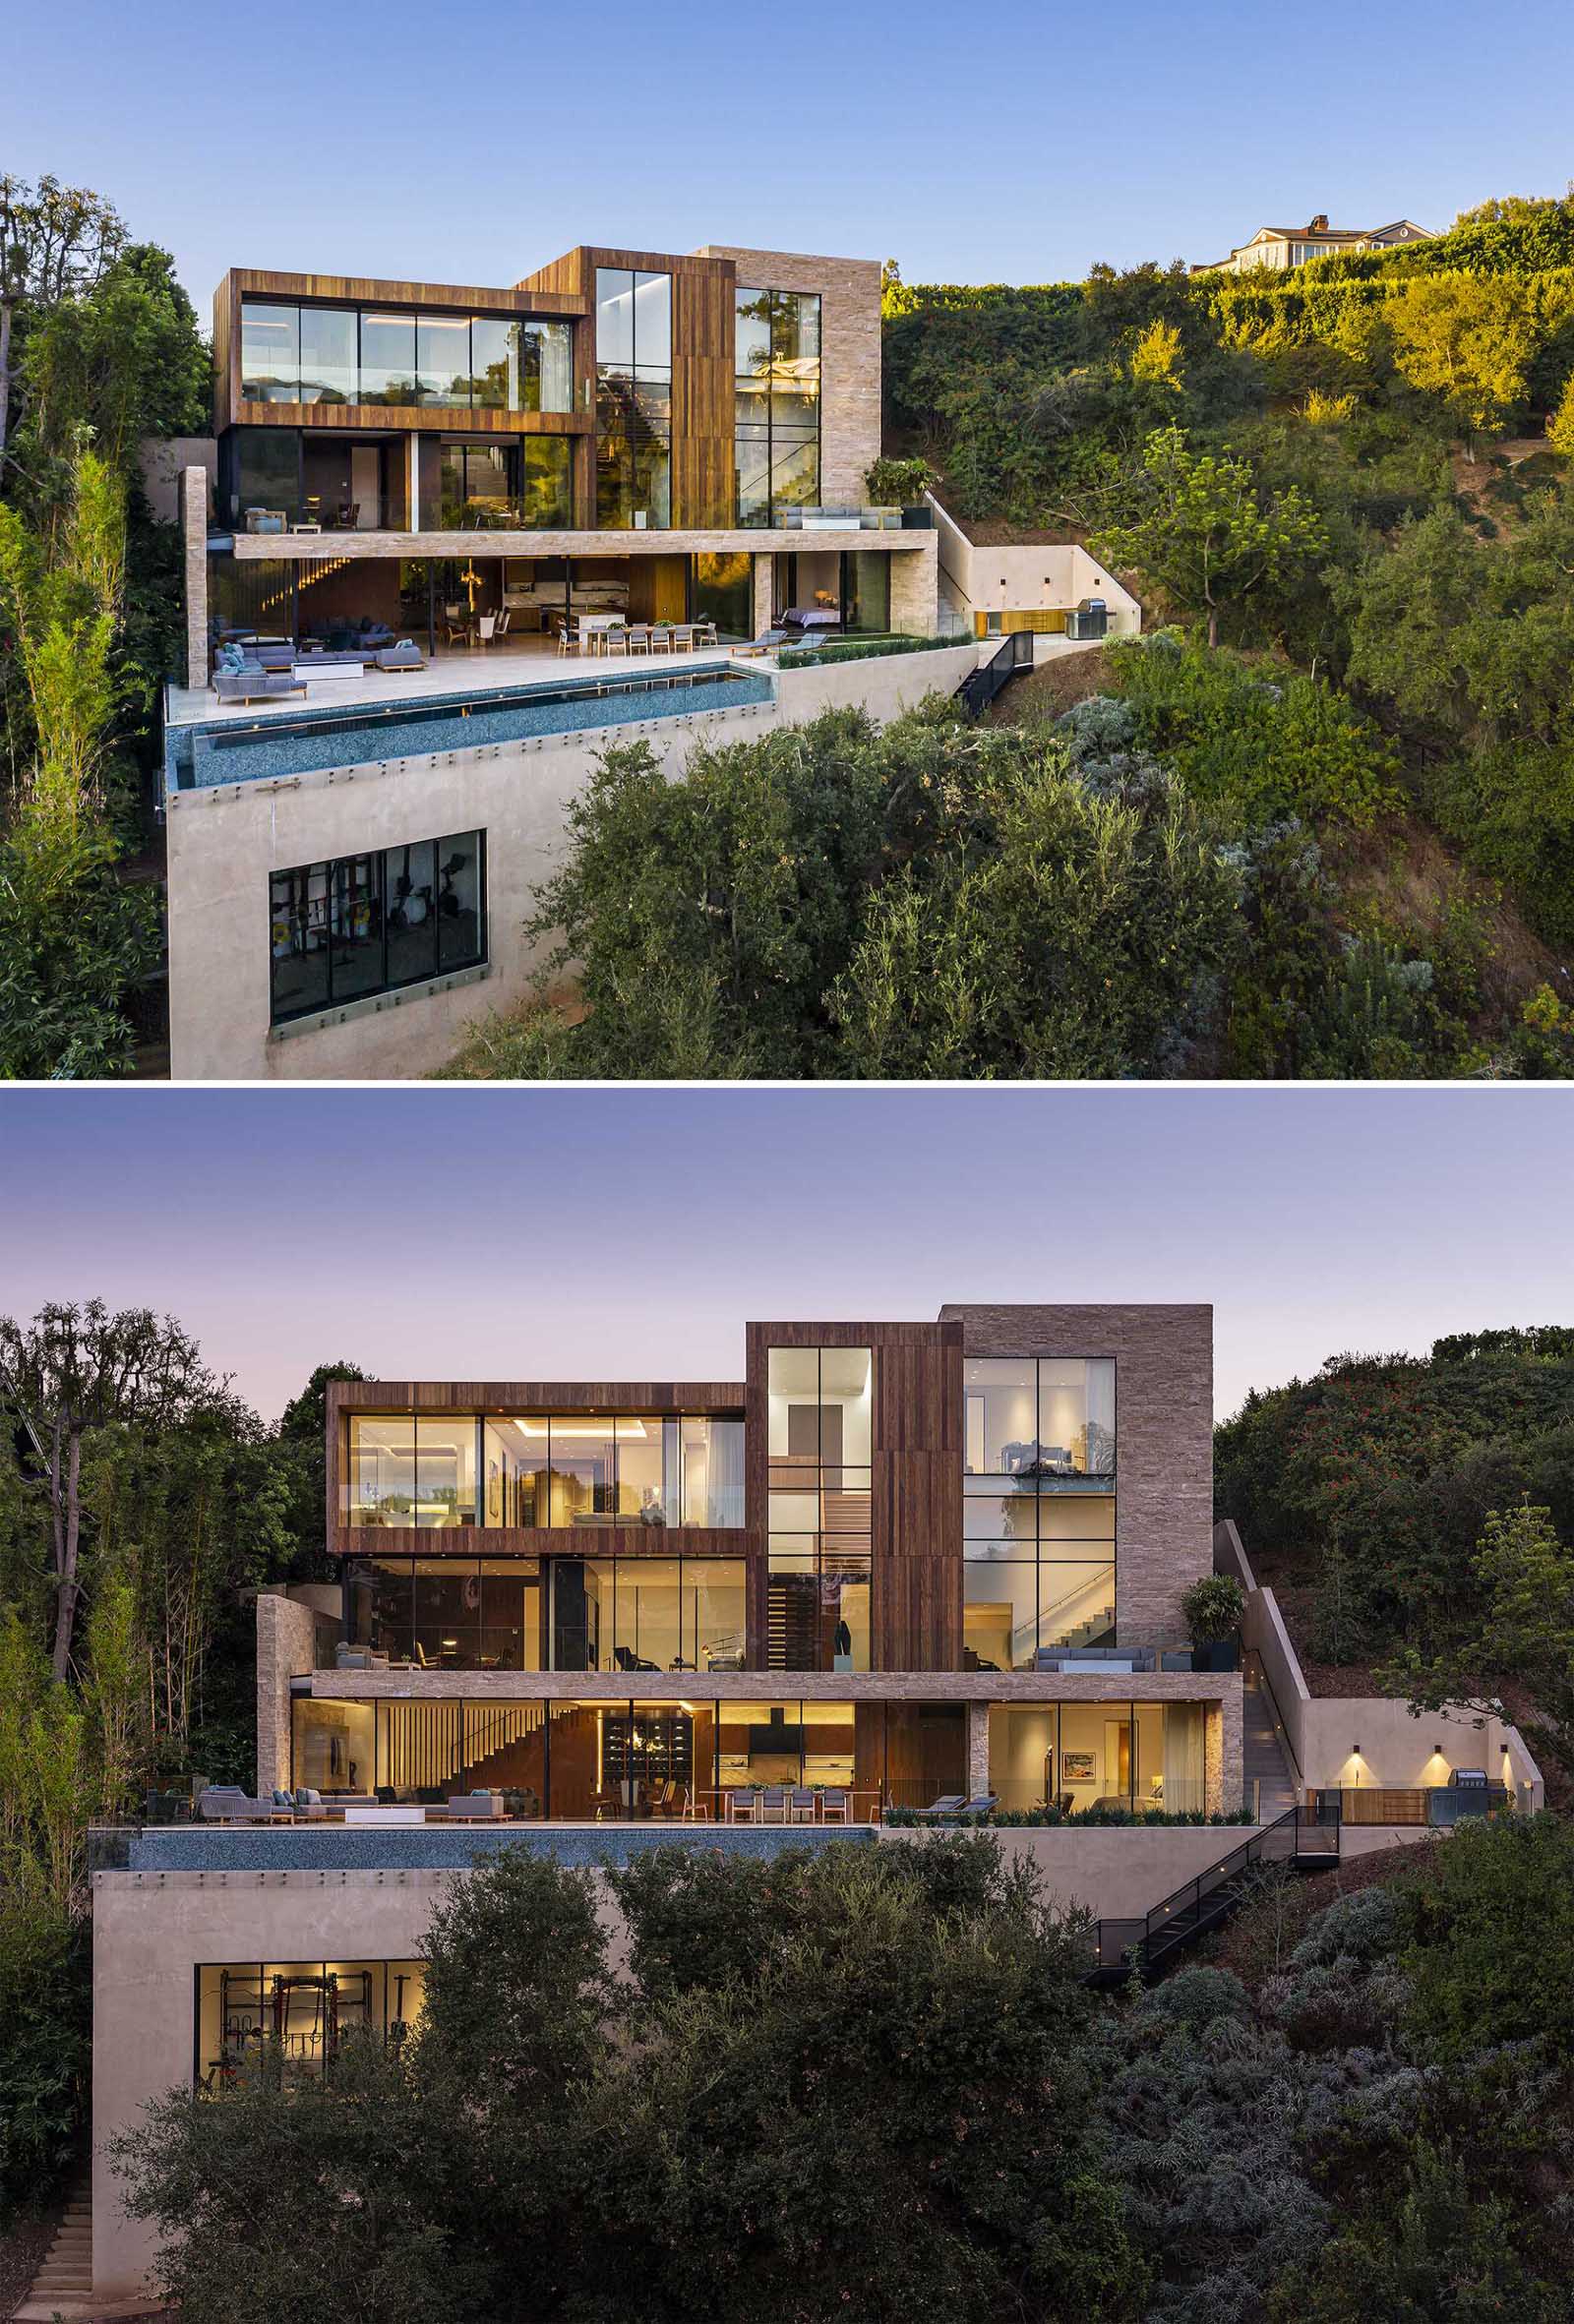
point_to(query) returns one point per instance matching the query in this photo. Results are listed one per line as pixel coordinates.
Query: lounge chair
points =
(769, 642)
(948, 1803)
(625, 1661)
(404, 656)
(978, 1803)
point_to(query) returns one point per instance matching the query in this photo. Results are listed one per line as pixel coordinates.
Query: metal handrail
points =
(1263, 1845)
(981, 686)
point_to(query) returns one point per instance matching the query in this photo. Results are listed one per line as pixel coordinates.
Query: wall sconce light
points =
(1354, 1751)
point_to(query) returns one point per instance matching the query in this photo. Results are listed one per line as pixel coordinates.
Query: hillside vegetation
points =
(1359, 475)
(1417, 1513)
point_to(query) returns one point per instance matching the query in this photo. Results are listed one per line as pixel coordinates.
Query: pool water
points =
(199, 756)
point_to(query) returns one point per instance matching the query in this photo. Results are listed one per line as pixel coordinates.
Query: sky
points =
(1020, 142)
(555, 1235)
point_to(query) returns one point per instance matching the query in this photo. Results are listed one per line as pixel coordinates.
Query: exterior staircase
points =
(1302, 1840)
(1270, 1782)
(62, 2290)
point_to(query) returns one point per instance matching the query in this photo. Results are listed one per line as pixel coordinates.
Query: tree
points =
(75, 1370)
(124, 358)
(72, 937)
(1205, 531)
(1074, 945)
(1468, 339)
(55, 241)
(1526, 1577)
(1560, 423)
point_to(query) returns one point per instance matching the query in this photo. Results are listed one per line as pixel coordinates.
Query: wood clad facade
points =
(702, 332)
(723, 1399)
(916, 1483)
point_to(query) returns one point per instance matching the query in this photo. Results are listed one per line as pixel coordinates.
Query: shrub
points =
(45, 2045)
(1213, 1609)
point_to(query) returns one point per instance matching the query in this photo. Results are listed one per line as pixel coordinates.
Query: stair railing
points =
(1280, 1729)
(1178, 1917)
(980, 687)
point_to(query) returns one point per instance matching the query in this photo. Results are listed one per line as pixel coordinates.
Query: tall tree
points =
(1207, 532)
(55, 240)
(72, 1371)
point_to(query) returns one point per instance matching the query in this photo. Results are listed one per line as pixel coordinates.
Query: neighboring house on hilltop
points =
(1292, 245)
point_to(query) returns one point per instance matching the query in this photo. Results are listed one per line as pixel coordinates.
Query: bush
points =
(45, 2045)
(1213, 1609)
(860, 649)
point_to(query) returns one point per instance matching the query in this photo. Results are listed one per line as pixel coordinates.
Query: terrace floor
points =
(482, 672)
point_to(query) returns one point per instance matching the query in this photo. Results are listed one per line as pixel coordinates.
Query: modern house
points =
(893, 1561)
(665, 436)
(1291, 245)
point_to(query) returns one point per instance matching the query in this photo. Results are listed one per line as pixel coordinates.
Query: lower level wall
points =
(1115, 1873)
(223, 842)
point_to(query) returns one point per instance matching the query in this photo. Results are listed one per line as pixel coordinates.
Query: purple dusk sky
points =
(630, 1235)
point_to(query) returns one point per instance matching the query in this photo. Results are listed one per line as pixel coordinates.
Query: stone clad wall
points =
(1164, 1432)
(849, 356)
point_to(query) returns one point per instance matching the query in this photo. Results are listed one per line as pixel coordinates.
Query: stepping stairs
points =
(63, 2285)
(1266, 1766)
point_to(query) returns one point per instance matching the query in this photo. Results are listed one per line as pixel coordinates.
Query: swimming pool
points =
(199, 756)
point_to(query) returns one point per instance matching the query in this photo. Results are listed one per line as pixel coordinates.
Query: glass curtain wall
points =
(1115, 1755)
(776, 402)
(605, 1614)
(292, 353)
(1039, 1508)
(819, 1408)
(633, 399)
(565, 1469)
(585, 1760)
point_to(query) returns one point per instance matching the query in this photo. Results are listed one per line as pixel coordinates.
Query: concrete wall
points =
(1397, 1751)
(1115, 1873)
(1021, 579)
(223, 842)
(150, 1931)
(1164, 1431)
(849, 356)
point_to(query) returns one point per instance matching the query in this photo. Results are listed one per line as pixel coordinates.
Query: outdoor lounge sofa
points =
(474, 1807)
(226, 1803)
(239, 677)
(404, 656)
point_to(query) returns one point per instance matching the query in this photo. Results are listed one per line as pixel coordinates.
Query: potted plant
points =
(902, 483)
(1213, 1611)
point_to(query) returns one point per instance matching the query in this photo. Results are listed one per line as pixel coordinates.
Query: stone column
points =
(978, 1746)
(763, 592)
(194, 539)
(286, 1638)
(915, 586)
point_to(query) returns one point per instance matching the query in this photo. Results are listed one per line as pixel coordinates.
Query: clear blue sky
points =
(458, 1233)
(1017, 142)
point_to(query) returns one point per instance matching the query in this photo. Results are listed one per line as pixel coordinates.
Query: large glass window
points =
(290, 2018)
(1112, 1755)
(633, 1613)
(360, 924)
(388, 372)
(546, 502)
(443, 359)
(1038, 1509)
(333, 1748)
(263, 470)
(329, 360)
(269, 353)
(819, 1424)
(776, 396)
(314, 354)
(381, 1469)
(633, 399)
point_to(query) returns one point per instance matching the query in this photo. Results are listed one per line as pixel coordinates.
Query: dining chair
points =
(568, 637)
(488, 628)
(774, 1801)
(800, 1807)
(833, 1808)
(639, 638)
(695, 1811)
(683, 639)
(503, 619)
(743, 1806)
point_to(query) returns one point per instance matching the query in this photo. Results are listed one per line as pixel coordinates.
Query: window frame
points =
(330, 869)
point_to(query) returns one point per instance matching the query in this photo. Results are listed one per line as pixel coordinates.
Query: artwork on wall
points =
(1079, 1766)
